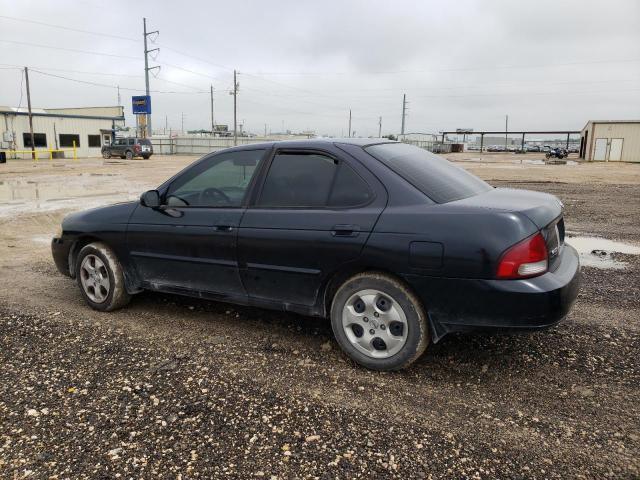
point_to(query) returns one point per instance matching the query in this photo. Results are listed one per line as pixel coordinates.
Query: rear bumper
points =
(468, 304)
(60, 249)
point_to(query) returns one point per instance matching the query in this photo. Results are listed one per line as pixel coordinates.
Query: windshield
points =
(144, 141)
(434, 176)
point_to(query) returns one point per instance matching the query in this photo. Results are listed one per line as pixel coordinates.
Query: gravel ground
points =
(173, 387)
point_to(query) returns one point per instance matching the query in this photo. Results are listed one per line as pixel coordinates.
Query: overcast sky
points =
(303, 64)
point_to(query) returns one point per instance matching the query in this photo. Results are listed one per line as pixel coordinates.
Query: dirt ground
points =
(174, 387)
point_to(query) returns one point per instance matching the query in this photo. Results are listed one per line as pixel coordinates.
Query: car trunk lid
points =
(543, 209)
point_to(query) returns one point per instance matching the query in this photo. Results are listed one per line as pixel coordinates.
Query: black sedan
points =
(397, 246)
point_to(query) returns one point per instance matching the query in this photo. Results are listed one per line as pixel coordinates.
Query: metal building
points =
(610, 141)
(59, 128)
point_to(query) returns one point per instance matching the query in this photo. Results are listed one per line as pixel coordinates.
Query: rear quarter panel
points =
(408, 239)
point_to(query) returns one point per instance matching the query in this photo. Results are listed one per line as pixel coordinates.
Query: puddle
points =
(598, 252)
(78, 191)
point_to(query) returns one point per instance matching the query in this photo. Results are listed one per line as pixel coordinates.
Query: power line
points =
(74, 50)
(96, 84)
(85, 72)
(61, 27)
(112, 55)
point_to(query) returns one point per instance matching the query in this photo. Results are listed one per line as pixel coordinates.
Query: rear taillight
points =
(527, 258)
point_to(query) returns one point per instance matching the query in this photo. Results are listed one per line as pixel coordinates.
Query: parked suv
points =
(128, 148)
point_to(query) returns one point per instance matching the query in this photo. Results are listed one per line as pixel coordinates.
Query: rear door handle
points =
(223, 228)
(345, 230)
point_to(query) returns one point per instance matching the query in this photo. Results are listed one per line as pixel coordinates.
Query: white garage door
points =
(615, 152)
(601, 149)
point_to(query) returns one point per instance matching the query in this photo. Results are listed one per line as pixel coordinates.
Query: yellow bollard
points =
(50, 154)
(75, 153)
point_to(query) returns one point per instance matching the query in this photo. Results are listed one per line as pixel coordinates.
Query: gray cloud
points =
(462, 64)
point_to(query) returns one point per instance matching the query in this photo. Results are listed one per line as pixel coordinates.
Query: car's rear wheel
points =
(128, 154)
(379, 322)
(101, 278)
(106, 154)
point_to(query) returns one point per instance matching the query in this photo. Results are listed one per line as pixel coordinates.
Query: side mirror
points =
(150, 199)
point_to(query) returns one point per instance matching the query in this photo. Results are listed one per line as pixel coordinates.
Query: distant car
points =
(397, 246)
(533, 148)
(128, 148)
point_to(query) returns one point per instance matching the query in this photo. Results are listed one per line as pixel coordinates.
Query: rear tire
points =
(106, 154)
(101, 278)
(378, 322)
(128, 155)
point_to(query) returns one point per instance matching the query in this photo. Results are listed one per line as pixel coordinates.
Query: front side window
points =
(219, 181)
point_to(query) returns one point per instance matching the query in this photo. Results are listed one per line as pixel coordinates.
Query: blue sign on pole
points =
(141, 104)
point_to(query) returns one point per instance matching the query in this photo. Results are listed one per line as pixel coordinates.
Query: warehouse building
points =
(59, 128)
(610, 141)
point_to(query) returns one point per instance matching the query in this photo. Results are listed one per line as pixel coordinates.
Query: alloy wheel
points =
(95, 278)
(375, 323)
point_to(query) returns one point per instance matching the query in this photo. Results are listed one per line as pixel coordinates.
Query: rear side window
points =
(434, 176)
(298, 180)
(312, 180)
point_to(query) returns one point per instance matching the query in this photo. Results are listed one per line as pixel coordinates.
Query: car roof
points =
(314, 143)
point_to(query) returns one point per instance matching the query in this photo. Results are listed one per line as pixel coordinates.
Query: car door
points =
(189, 244)
(117, 147)
(312, 216)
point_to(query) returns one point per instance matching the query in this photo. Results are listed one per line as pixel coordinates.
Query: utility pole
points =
(166, 124)
(506, 130)
(213, 123)
(33, 148)
(235, 109)
(349, 123)
(404, 112)
(265, 130)
(149, 129)
(182, 123)
(379, 127)
(119, 101)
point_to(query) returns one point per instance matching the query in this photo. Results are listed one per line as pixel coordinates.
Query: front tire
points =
(378, 322)
(101, 278)
(106, 154)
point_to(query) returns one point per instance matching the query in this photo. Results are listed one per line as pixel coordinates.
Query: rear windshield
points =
(144, 141)
(434, 176)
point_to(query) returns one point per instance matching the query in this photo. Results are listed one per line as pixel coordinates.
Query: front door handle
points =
(345, 230)
(223, 228)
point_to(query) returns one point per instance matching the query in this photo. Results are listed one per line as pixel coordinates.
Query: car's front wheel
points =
(106, 154)
(379, 322)
(101, 278)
